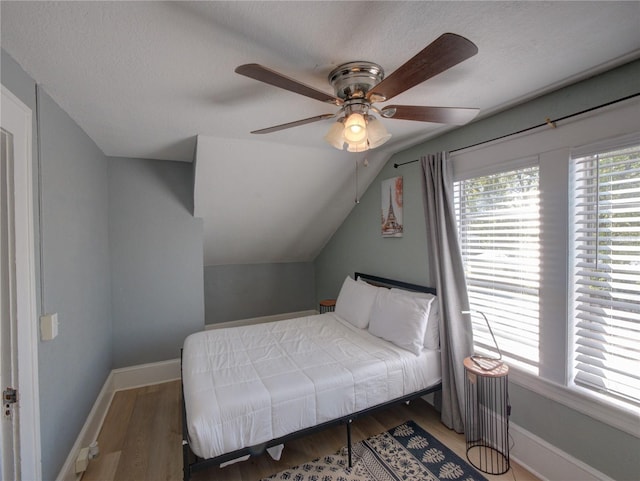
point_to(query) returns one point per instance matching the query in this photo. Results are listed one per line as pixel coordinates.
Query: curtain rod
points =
(551, 123)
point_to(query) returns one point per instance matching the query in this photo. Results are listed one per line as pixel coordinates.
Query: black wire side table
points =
(487, 416)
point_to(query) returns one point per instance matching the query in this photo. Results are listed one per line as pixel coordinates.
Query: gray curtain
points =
(445, 262)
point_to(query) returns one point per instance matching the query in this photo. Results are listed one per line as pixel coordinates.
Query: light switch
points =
(49, 326)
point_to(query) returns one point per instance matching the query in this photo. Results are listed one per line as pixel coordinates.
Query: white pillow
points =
(432, 333)
(355, 302)
(400, 319)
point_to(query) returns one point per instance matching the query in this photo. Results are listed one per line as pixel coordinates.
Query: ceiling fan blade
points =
(443, 53)
(271, 77)
(275, 128)
(439, 115)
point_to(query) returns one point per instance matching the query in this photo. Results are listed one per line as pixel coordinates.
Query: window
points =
(605, 282)
(578, 279)
(498, 219)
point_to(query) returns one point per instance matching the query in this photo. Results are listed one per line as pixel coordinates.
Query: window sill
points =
(620, 417)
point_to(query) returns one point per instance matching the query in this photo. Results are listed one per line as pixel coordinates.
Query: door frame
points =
(17, 119)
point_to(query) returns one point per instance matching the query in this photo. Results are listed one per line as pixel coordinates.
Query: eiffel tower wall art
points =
(391, 218)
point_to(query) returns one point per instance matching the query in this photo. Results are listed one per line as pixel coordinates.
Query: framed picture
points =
(391, 208)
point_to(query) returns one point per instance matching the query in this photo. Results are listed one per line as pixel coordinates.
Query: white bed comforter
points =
(247, 385)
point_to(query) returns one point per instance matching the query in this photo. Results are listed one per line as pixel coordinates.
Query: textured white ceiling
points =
(144, 79)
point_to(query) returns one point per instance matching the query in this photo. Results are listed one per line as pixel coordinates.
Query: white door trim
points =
(17, 118)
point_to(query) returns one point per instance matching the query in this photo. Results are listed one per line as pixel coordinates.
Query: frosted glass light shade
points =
(358, 147)
(377, 134)
(335, 136)
(355, 129)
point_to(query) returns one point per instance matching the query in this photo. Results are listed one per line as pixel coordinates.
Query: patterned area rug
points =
(404, 453)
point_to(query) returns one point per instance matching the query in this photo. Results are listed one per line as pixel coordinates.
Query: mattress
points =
(247, 385)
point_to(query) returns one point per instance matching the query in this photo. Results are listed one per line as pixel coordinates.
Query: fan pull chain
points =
(357, 200)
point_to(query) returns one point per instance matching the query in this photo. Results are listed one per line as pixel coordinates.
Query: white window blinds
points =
(499, 226)
(606, 272)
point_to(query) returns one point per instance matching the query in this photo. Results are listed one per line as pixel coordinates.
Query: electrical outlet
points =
(94, 450)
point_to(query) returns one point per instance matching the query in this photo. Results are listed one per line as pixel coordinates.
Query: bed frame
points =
(192, 463)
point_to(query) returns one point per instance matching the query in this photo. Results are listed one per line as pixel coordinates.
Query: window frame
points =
(554, 147)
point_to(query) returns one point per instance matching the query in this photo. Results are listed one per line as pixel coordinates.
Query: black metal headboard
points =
(384, 282)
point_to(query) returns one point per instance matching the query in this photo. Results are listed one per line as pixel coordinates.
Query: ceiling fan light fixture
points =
(376, 132)
(335, 136)
(355, 128)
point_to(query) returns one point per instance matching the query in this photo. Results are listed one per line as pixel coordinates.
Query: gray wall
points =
(357, 245)
(234, 292)
(156, 259)
(74, 276)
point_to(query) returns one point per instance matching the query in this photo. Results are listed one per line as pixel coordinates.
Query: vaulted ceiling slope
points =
(149, 79)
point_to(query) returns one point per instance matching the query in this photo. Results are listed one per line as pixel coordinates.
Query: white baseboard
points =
(89, 431)
(548, 462)
(146, 374)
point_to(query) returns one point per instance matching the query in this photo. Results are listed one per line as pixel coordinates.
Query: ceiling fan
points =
(358, 85)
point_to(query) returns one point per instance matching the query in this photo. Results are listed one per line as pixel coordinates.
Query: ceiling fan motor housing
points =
(354, 79)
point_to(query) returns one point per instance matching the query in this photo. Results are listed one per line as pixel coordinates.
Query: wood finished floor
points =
(141, 440)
